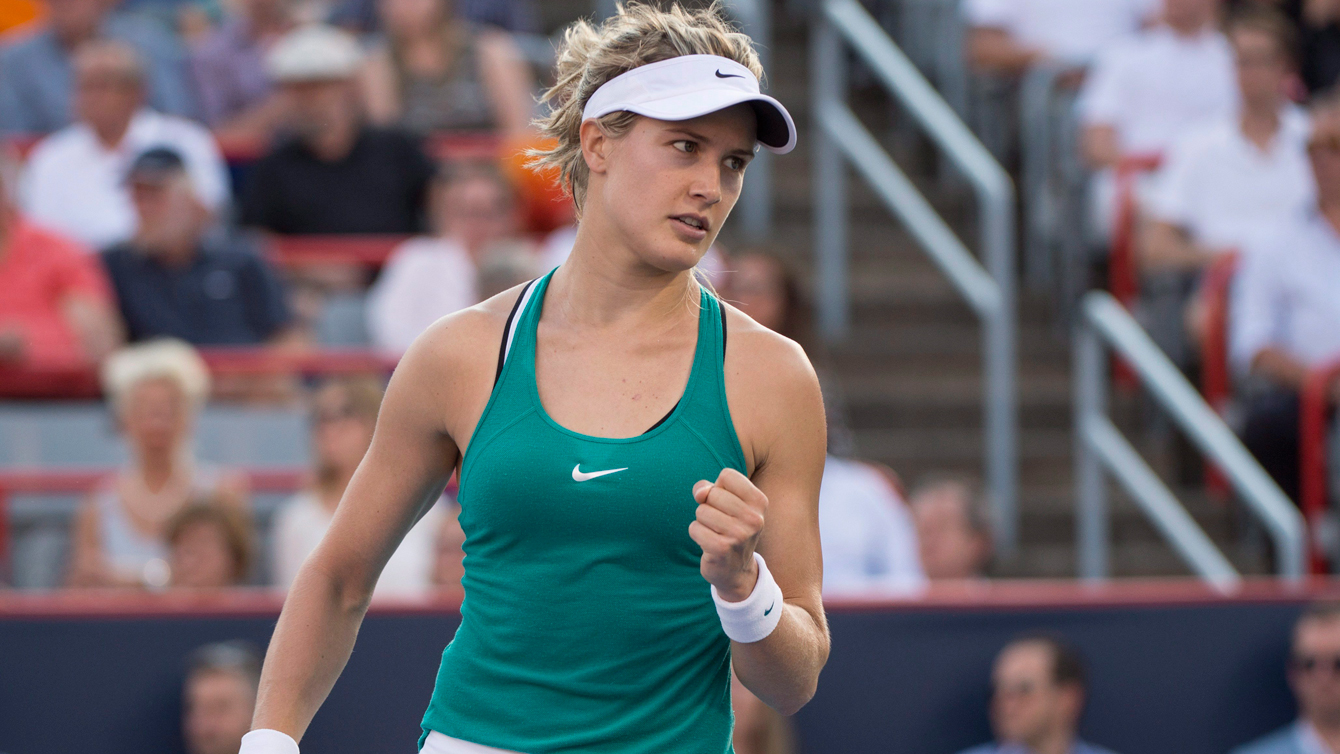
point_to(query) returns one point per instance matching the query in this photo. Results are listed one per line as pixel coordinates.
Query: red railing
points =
(1123, 267)
(1216, 382)
(317, 250)
(82, 381)
(48, 482)
(1313, 411)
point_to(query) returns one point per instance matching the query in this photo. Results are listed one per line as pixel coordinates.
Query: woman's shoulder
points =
(758, 353)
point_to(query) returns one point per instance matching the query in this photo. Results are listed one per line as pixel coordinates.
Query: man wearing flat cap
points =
(335, 174)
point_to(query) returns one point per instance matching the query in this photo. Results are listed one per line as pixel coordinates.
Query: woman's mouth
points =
(693, 226)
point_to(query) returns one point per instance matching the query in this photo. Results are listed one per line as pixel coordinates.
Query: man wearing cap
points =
(335, 174)
(73, 181)
(172, 282)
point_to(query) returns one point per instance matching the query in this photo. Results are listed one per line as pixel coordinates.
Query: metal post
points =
(999, 368)
(1091, 520)
(829, 184)
(755, 17)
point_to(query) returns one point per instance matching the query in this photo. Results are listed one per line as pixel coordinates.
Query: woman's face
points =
(201, 558)
(667, 187)
(340, 436)
(403, 18)
(755, 285)
(156, 415)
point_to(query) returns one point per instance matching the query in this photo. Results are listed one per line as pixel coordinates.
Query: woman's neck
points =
(603, 282)
(157, 467)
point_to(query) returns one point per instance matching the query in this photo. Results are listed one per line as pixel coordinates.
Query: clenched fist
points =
(728, 522)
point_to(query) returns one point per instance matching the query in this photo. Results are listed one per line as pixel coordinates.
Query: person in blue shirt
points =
(1037, 697)
(1314, 676)
(35, 70)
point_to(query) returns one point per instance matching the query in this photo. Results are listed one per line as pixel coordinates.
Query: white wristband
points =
(753, 618)
(267, 741)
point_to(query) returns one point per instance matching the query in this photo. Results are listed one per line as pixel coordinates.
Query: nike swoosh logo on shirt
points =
(721, 75)
(770, 607)
(585, 476)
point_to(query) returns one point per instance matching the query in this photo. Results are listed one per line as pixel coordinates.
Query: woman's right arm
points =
(411, 457)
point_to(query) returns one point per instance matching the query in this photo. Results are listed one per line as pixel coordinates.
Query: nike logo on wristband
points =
(585, 476)
(721, 75)
(770, 607)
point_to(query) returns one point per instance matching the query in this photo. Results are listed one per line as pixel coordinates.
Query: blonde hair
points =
(637, 34)
(165, 358)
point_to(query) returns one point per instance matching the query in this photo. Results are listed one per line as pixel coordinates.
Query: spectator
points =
(1225, 179)
(1144, 92)
(1320, 24)
(869, 541)
(236, 97)
(1285, 311)
(953, 530)
(209, 546)
(56, 305)
(1037, 696)
(219, 697)
(155, 389)
(35, 70)
(1314, 675)
(336, 175)
(344, 413)
(506, 264)
(174, 281)
(433, 72)
(430, 277)
(74, 178)
(515, 16)
(1009, 36)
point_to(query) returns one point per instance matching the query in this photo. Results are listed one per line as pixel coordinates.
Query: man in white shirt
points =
(1225, 179)
(1143, 92)
(1285, 316)
(868, 539)
(1009, 36)
(73, 182)
(429, 277)
(1314, 676)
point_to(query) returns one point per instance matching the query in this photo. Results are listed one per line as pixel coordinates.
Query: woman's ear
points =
(595, 144)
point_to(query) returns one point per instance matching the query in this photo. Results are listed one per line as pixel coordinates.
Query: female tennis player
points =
(638, 490)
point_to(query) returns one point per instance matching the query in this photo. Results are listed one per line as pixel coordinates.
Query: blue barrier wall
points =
(1194, 678)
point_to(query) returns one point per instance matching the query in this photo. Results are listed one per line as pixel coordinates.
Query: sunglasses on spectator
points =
(1308, 664)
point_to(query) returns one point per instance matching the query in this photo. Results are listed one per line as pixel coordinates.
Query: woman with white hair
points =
(156, 390)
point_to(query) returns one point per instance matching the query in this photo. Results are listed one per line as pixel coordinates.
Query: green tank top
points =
(586, 625)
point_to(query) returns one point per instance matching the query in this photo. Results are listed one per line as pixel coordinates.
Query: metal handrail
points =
(1099, 444)
(989, 290)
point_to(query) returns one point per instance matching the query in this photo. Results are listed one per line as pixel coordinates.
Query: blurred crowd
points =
(1211, 132)
(156, 153)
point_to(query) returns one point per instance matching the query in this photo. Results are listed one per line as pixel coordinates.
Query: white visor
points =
(689, 86)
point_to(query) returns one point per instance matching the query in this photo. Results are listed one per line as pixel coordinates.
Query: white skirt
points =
(440, 744)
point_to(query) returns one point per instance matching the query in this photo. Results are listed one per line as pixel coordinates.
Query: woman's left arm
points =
(507, 80)
(776, 513)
